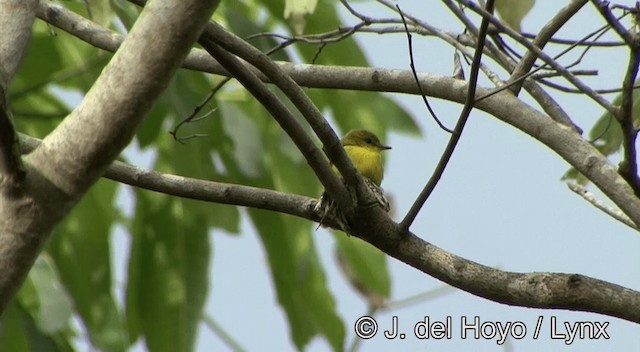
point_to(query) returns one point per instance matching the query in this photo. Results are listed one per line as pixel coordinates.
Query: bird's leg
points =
(328, 209)
(378, 192)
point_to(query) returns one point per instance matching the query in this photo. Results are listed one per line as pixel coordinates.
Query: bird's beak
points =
(385, 147)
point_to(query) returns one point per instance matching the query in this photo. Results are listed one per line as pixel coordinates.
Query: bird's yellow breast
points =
(367, 161)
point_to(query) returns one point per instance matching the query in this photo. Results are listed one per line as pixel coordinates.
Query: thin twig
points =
(546, 101)
(193, 116)
(415, 75)
(542, 55)
(515, 81)
(591, 198)
(222, 333)
(455, 137)
(546, 32)
(593, 43)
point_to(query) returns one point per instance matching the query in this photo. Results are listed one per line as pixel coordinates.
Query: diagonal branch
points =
(605, 11)
(285, 119)
(543, 37)
(215, 33)
(457, 131)
(542, 55)
(546, 101)
(591, 198)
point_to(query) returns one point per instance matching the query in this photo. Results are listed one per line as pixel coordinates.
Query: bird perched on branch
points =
(365, 151)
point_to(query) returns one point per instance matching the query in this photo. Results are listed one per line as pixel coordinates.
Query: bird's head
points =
(363, 138)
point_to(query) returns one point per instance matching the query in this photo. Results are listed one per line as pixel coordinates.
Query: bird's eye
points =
(368, 140)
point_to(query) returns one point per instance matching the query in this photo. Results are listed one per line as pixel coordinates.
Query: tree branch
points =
(539, 290)
(15, 29)
(568, 145)
(536, 290)
(542, 55)
(332, 147)
(603, 8)
(591, 198)
(285, 119)
(457, 132)
(73, 156)
(548, 104)
(16, 22)
(543, 37)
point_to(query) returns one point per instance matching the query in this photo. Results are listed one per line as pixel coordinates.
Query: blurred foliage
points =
(170, 255)
(512, 12)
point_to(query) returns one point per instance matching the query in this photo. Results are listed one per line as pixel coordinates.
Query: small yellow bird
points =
(365, 151)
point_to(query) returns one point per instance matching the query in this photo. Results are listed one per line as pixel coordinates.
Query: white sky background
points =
(500, 203)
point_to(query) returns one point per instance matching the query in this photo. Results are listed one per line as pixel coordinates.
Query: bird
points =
(365, 151)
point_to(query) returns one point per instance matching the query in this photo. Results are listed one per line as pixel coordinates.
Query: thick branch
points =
(297, 96)
(16, 22)
(536, 290)
(80, 149)
(541, 290)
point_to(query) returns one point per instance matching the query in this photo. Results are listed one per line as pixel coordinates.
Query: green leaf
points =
(297, 273)
(168, 271)
(54, 309)
(513, 11)
(185, 92)
(299, 279)
(19, 333)
(126, 12)
(366, 267)
(606, 134)
(44, 308)
(296, 11)
(37, 114)
(34, 71)
(80, 248)
(245, 21)
(13, 333)
(100, 12)
(371, 111)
